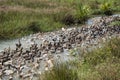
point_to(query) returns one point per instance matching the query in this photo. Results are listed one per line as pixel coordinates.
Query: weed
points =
(60, 72)
(82, 13)
(68, 19)
(34, 26)
(106, 8)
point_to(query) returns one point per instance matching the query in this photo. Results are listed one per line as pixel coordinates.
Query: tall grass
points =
(17, 24)
(60, 72)
(101, 64)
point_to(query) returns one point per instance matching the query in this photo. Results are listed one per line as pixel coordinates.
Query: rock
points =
(0, 65)
(36, 65)
(26, 75)
(46, 69)
(8, 72)
(63, 29)
(0, 73)
(39, 72)
(50, 63)
(45, 55)
(10, 78)
(8, 62)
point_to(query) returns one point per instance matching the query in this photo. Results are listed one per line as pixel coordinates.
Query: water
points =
(26, 42)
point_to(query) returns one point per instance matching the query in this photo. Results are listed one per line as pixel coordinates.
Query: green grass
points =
(60, 72)
(115, 23)
(100, 64)
(17, 15)
(17, 24)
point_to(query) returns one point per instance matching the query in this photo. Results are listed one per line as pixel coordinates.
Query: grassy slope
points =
(17, 16)
(100, 64)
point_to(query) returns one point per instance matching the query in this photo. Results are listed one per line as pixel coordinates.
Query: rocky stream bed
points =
(28, 57)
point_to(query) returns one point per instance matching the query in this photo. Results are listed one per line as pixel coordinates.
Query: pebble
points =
(8, 72)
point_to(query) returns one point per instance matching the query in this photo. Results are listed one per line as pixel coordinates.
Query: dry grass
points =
(41, 11)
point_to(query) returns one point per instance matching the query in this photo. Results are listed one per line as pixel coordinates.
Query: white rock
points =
(8, 62)
(26, 75)
(8, 72)
(63, 29)
(0, 65)
(45, 55)
(39, 72)
(46, 69)
(50, 63)
(0, 73)
(103, 39)
(10, 78)
(36, 65)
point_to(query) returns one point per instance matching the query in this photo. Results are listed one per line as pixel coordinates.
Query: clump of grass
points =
(68, 19)
(82, 13)
(105, 8)
(34, 26)
(60, 72)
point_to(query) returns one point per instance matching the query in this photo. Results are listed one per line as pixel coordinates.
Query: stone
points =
(8, 62)
(8, 72)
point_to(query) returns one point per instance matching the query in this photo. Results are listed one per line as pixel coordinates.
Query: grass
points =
(82, 13)
(100, 64)
(60, 72)
(115, 23)
(16, 16)
(106, 8)
(21, 24)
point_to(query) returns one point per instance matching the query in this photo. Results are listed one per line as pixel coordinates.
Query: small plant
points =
(68, 19)
(105, 8)
(34, 26)
(61, 71)
(82, 13)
